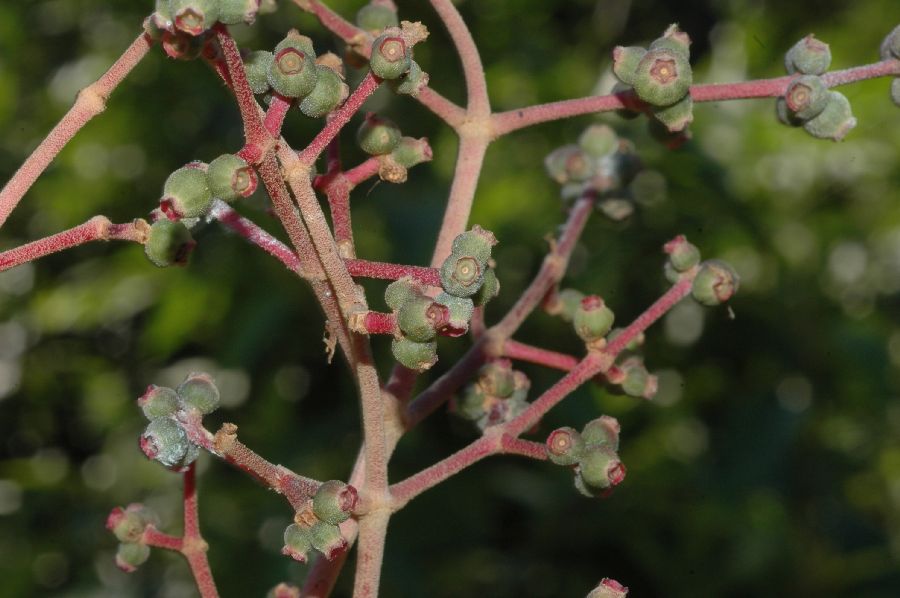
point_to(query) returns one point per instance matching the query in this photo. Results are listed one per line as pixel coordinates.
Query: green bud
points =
(835, 121)
(420, 318)
(663, 77)
(411, 151)
(716, 282)
(567, 303)
(890, 47)
(490, 288)
(297, 542)
(198, 391)
(599, 141)
(377, 135)
(608, 588)
(232, 12)
(809, 56)
(600, 468)
(158, 401)
(194, 16)
(496, 378)
(625, 62)
(128, 524)
(638, 382)
(564, 446)
(400, 291)
(375, 17)
(330, 91)
(334, 501)
(230, 177)
(569, 163)
(390, 57)
(476, 242)
(677, 116)
(462, 275)
(411, 82)
(327, 539)
(293, 71)
(165, 441)
(472, 404)
(895, 91)
(257, 67)
(673, 39)
(131, 556)
(592, 319)
(413, 355)
(186, 194)
(168, 243)
(806, 97)
(784, 115)
(603, 431)
(683, 255)
(461, 309)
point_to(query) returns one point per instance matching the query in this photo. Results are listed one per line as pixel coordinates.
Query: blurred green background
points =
(769, 464)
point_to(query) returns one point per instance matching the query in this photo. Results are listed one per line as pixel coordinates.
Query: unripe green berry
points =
(400, 291)
(895, 91)
(186, 194)
(230, 177)
(567, 303)
(257, 68)
(608, 588)
(806, 97)
(327, 539)
(131, 556)
(716, 282)
(168, 243)
(420, 318)
(784, 114)
(162, 16)
(603, 431)
(293, 71)
(377, 135)
(335, 501)
(638, 382)
(835, 121)
(128, 524)
(198, 391)
(564, 446)
(461, 309)
(390, 57)
(683, 255)
(476, 242)
(411, 82)
(462, 275)
(413, 355)
(497, 379)
(158, 401)
(809, 56)
(330, 91)
(677, 116)
(625, 62)
(592, 319)
(194, 16)
(472, 404)
(673, 39)
(600, 468)
(598, 141)
(411, 151)
(662, 77)
(890, 47)
(490, 288)
(569, 163)
(165, 441)
(375, 17)
(297, 542)
(232, 12)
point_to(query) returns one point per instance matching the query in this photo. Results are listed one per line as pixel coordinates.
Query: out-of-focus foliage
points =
(769, 463)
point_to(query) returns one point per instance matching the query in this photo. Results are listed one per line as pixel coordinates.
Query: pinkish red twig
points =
(388, 271)
(249, 230)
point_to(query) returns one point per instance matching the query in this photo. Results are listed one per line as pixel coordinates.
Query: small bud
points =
(375, 17)
(256, 66)
(461, 309)
(835, 121)
(334, 501)
(472, 405)
(564, 446)
(806, 97)
(567, 303)
(390, 57)
(569, 163)
(716, 282)
(673, 39)
(476, 242)
(677, 116)
(377, 135)
(327, 539)
(400, 291)
(895, 91)
(890, 47)
(284, 590)
(131, 556)
(329, 93)
(490, 288)
(496, 378)
(461, 275)
(232, 12)
(683, 255)
(293, 71)
(186, 194)
(603, 431)
(663, 77)
(165, 441)
(297, 542)
(168, 243)
(411, 82)
(592, 319)
(599, 141)
(194, 16)
(128, 524)
(600, 468)
(413, 355)
(420, 318)
(809, 56)
(608, 588)
(230, 177)
(638, 382)
(411, 151)
(198, 391)
(625, 62)
(158, 401)
(182, 46)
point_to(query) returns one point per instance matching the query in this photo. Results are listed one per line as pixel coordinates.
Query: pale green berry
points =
(413, 355)
(297, 542)
(128, 524)
(603, 431)
(165, 441)
(625, 62)
(232, 12)
(186, 193)
(809, 56)
(890, 47)
(673, 39)
(806, 97)
(158, 401)
(256, 66)
(198, 391)
(327, 539)
(462, 275)
(677, 116)
(638, 382)
(194, 16)
(497, 379)
(334, 501)
(390, 57)
(716, 283)
(569, 163)
(564, 446)
(472, 404)
(375, 17)
(377, 135)
(835, 121)
(293, 73)
(568, 301)
(593, 319)
(490, 288)
(895, 91)
(330, 91)
(411, 82)
(420, 318)
(168, 243)
(230, 178)
(683, 255)
(461, 309)
(411, 151)
(662, 77)
(400, 291)
(476, 243)
(599, 140)
(130, 556)
(600, 468)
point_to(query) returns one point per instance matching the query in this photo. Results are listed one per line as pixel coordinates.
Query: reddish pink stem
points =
(341, 219)
(157, 539)
(380, 323)
(473, 72)
(278, 109)
(250, 231)
(363, 172)
(531, 354)
(194, 547)
(98, 228)
(388, 271)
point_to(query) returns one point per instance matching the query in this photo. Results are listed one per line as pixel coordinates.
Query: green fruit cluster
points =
(128, 525)
(497, 396)
(592, 453)
(194, 17)
(301, 537)
(467, 271)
